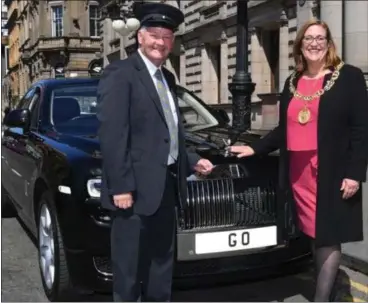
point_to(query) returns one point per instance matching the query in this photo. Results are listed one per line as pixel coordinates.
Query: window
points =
(35, 108)
(94, 17)
(4, 19)
(26, 101)
(57, 20)
(73, 109)
(195, 115)
(7, 58)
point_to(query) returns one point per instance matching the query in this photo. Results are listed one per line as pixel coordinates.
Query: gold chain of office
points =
(304, 114)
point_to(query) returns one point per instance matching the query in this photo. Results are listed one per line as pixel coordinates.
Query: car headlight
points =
(94, 188)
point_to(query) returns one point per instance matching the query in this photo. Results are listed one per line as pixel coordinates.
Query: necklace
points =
(304, 114)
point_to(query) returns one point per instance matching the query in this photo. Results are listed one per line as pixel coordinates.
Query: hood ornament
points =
(233, 139)
(227, 144)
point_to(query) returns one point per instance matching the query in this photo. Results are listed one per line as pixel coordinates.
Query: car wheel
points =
(7, 209)
(52, 259)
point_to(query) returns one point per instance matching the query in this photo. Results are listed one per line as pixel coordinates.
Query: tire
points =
(56, 283)
(7, 209)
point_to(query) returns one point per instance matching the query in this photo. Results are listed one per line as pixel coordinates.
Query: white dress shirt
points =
(152, 70)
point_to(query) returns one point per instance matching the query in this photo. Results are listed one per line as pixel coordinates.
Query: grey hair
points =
(143, 29)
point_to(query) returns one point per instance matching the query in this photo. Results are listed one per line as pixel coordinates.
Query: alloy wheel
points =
(46, 246)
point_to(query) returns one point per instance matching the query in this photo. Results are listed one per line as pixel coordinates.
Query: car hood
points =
(88, 144)
(206, 142)
(212, 141)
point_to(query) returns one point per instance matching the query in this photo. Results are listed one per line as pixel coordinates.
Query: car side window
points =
(25, 101)
(34, 106)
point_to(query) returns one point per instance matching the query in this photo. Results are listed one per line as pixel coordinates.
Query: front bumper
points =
(90, 264)
(255, 263)
(93, 272)
(86, 233)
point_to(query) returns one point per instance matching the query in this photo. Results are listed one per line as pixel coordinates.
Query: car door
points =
(30, 156)
(12, 152)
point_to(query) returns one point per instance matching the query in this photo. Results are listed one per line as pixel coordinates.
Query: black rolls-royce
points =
(234, 222)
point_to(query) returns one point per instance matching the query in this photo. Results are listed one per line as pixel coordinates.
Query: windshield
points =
(195, 115)
(73, 110)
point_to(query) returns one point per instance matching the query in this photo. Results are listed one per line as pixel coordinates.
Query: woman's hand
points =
(349, 188)
(241, 151)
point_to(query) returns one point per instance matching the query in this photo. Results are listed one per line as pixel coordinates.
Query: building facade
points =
(5, 87)
(204, 57)
(54, 38)
(13, 45)
(4, 39)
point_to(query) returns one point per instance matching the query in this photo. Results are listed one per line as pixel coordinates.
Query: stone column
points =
(261, 69)
(283, 51)
(356, 34)
(331, 13)
(356, 50)
(204, 72)
(224, 90)
(182, 76)
(256, 63)
(107, 35)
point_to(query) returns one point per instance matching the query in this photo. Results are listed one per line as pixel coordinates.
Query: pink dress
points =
(302, 147)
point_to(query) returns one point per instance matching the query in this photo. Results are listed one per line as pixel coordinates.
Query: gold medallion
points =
(304, 115)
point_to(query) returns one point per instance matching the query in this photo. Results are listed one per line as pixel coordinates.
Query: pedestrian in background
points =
(323, 138)
(145, 163)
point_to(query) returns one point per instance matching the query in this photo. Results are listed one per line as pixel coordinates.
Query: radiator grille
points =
(229, 202)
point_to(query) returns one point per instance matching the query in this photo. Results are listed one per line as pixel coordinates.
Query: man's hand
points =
(123, 201)
(203, 167)
(349, 188)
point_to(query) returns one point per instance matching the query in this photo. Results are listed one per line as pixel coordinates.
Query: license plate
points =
(225, 241)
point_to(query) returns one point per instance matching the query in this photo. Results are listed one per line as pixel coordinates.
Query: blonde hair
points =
(332, 59)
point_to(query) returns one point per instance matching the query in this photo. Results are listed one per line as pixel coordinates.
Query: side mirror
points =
(5, 113)
(6, 110)
(18, 118)
(223, 114)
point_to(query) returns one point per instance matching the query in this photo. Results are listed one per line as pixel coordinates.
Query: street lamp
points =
(123, 22)
(242, 86)
(124, 28)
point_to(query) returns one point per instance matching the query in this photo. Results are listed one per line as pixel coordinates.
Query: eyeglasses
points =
(318, 39)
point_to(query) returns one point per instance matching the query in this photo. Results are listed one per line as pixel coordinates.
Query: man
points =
(145, 163)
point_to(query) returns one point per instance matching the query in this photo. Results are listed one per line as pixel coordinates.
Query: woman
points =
(323, 137)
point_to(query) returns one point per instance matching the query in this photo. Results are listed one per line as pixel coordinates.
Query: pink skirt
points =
(303, 177)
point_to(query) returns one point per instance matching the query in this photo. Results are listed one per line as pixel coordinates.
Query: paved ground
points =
(21, 279)
(358, 252)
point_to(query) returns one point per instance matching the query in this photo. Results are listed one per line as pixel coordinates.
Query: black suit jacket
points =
(135, 138)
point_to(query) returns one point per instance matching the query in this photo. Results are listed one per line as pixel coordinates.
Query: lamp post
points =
(242, 86)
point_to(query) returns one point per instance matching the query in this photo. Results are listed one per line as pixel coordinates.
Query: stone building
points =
(4, 39)
(13, 47)
(205, 51)
(4, 57)
(53, 38)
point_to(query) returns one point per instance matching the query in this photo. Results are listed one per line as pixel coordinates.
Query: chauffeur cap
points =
(158, 15)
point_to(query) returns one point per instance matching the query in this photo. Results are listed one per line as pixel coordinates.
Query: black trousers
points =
(142, 251)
